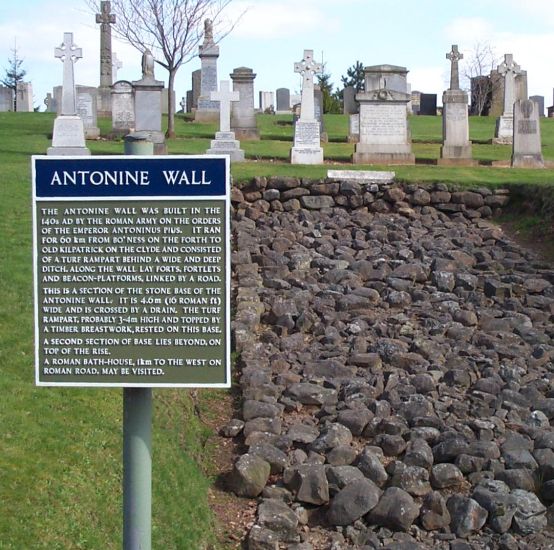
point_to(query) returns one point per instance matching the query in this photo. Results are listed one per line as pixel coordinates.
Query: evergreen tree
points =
(354, 77)
(14, 75)
(331, 103)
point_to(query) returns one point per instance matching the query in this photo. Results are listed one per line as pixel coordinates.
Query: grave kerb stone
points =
(361, 176)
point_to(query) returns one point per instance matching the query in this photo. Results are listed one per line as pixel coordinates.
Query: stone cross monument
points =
(206, 109)
(68, 53)
(68, 137)
(225, 96)
(456, 147)
(307, 140)
(106, 19)
(454, 56)
(307, 68)
(225, 142)
(509, 69)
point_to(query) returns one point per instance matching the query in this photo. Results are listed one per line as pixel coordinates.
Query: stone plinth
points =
(384, 132)
(123, 108)
(526, 150)
(243, 115)
(206, 109)
(307, 149)
(456, 148)
(226, 144)
(504, 130)
(68, 137)
(87, 110)
(148, 110)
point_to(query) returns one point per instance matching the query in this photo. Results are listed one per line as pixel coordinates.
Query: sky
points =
(272, 35)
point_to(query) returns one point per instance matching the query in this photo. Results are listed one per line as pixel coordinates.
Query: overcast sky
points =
(273, 34)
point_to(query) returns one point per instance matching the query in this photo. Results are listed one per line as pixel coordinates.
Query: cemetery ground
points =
(60, 454)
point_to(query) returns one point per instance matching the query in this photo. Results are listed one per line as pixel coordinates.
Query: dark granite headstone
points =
(283, 100)
(428, 104)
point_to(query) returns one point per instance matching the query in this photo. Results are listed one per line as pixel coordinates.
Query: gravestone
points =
(148, 104)
(116, 65)
(24, 97)
(196, 81)
(189, 101)
(105, 19)
(183, 104)
(6, 99)
(225, 142)
(165, 101)
(68, 137)
(539, 100)
(384, 132)
(51, 103)
(282, 96)
(318, 112)
(266, 101)
(354, 128)
(456, 147)
(123, 108)
(349, 105)
(87, 110)
(428, 104)
(526, 148)
(207, 109)
(508, 69)
(415, 99)
(294, 99)
(243, 116)
(307, 145)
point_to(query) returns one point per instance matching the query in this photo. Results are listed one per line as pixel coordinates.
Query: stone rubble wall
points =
(395, 367)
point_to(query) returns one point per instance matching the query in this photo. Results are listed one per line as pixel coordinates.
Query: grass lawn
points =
(61, 448)
(60, 453)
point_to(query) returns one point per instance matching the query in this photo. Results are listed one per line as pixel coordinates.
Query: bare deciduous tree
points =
(476, 72)
(171, 29)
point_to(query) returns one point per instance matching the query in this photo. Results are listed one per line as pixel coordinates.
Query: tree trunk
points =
(171, 105)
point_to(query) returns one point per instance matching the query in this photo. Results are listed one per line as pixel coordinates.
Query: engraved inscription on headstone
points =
(307, 144)
(456, 147)
(526, 150)
(384, 134)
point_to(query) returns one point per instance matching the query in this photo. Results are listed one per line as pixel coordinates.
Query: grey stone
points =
(446, 475)
(495, 497)
(352, 502)
(412, 479)
(467, 515)
(372, 467)
(249, 476)
(396, 510)
(276, 516)
(530, 515)
(434, 514)
(310, 484)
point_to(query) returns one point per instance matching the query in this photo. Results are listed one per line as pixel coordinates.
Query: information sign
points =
(132, 271)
